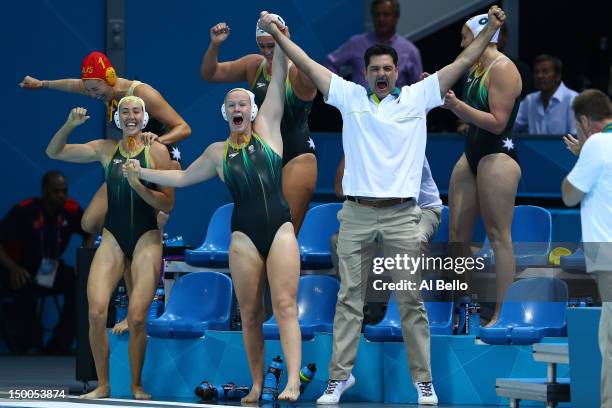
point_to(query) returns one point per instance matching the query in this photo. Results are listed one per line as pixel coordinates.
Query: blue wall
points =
(165, 45)
(46, 40)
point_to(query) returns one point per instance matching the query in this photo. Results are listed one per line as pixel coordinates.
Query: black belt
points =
(379, 202)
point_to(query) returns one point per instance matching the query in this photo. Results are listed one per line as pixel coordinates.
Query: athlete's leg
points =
(299, 181)
(105, 272)
(122, 326)
(247, 269)
(463, 207)
(93, 217)
(498, 178)
(283, 268)
(145, 267)
(463, 210)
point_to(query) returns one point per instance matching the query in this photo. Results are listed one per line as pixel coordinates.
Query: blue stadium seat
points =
(439, 313)
(531, 235)
(575, 262)
(199, 301)
(533, 308)
(320, 223)
(316, 302)
(389, 328)
(214, 251)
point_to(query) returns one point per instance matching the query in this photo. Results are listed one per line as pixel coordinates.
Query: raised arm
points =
(161, 110)
(76, 153)
(231, 71)
(320, 75)
(451, 73)
(65, 85)
(162, 199)
(271, 111)
(207, 166)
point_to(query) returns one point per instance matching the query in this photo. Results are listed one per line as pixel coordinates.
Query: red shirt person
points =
(33, 237)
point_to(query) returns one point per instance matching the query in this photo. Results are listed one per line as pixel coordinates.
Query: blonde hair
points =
(131, 98)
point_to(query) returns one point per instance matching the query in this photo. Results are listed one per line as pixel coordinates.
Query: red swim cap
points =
(97, 66)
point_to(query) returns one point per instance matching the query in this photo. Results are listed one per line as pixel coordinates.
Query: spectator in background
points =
(548, 111)
(589, 183)
(33, 237)
(385, 14)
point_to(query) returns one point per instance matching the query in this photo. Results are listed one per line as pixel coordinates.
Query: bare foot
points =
(139, 393)
(120, 327)
(290, 393)
(253, 396)
(100, 392)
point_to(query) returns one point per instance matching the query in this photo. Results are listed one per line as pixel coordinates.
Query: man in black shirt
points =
(33, 237)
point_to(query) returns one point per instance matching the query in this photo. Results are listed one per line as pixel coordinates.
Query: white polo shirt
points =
(429, 195)
(384, 143)
(592, 175)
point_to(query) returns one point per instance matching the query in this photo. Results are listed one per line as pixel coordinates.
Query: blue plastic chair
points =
(320, 223)
(533, 308)
(531, 235)
(199, 301)
(575, 262)
(439, 313)
(389, 328)
(214, 251)
(316, 302)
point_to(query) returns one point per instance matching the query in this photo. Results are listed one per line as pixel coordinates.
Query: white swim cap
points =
(477, 23)
(259, 32)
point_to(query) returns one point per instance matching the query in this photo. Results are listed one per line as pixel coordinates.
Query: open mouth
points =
(381, 84)
(130, 125)
(237, 120)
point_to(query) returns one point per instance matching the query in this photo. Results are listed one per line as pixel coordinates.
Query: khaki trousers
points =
(396, 230)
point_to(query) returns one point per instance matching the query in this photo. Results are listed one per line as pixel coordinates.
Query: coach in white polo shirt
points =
(383, 135)
(590, 183)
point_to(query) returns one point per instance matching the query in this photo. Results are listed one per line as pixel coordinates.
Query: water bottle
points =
(272, 380)
(237, 320)
(474, 319)
(157, 306)
(462, 313)
(174, 241)
(121, 304)
(307, 373)
(226, 392)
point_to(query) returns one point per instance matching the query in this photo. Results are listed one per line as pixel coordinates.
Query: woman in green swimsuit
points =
(98, 80)
(485, 179)
(299, 160)
(263, 238)
(130, 236)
